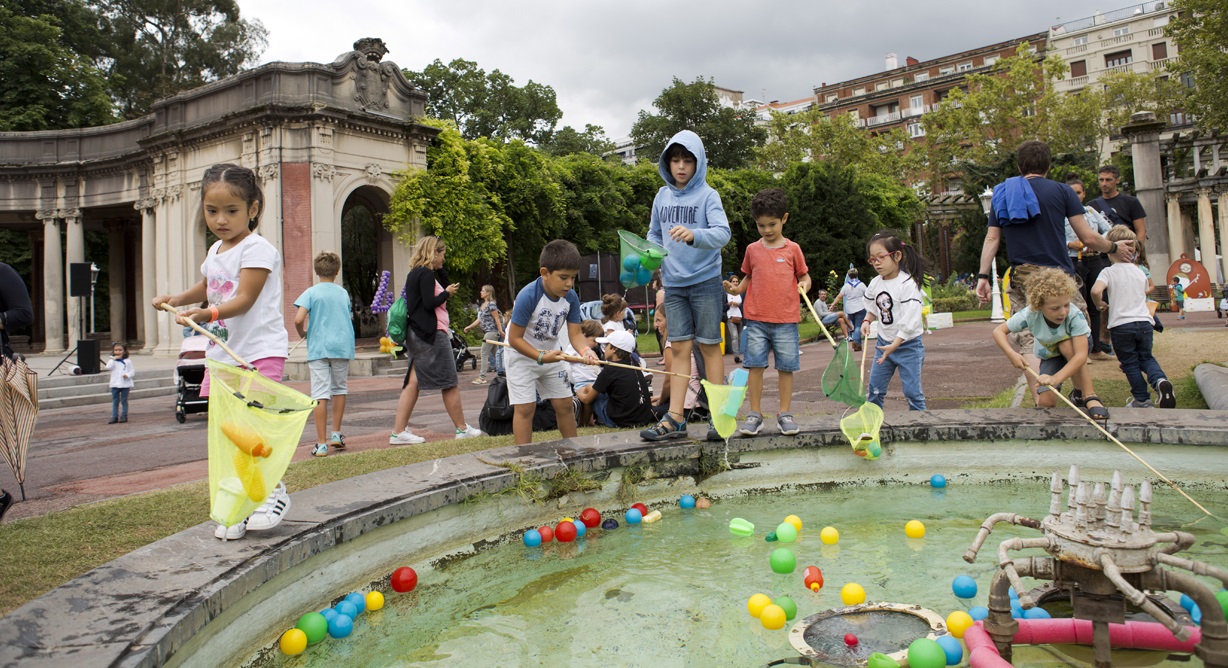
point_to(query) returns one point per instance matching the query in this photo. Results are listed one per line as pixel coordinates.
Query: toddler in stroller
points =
(189, 374)
(460, 350)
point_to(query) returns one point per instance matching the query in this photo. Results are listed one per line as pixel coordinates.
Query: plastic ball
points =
(293, 642)
(341, 626)
(703, 502)
(590, 517)
(978, 612)
(852, 594)
(640, 507)
(626, 277)
(812, 577)
(938, 481)
(346, 608)
(851, 640)
(782, 561)
(925, 653)
(687, 501)
(786, 532)
(788, 605)
(375, 600)
(795, 521)
(914, 529)
(634, 516)
(829, 536)
(565, 531)
(953, 649)
(772, 617)
(1016, 610)
(958, 622)
(1196, 614)
(359, 601)
(404, 579)
(631, 262)
(532, 538)
(547, 533)
(771, 537)
(643, 276)
(757, 603)
(880, 660)
(314, 625)
(1014, 595)
(651, 259)
(963, 586)
(610, 524)
(1187, 602)
(1036, 613)
(328, 613)
(1222, 597)
(741, 527)
(580, 529)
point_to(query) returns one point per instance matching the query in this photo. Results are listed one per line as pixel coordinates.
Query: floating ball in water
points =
(634, 516)
(782, 561)
(978, 612)
(626, 277)
(757, 603)
(772, 617)
(328, 613)
(925, 653)
(651, 259)
(852, 594)
(640, 507)
(812, 577)
(359, 601)
(795, 521)
(937, 480)
(375, 600)
(293, 642)
(590, 517)
(880, 660)
(786, 532)
(532, 538)
(580, 529)
(404, 579)
(958, 622)
(771, 537)
(788, 605)
(741, 527)
(687, 501)
(851, 640)
(341, 626)
(631, 262)
(346, 608)
(703, 502)
(829, 536)
(914, 529)
(547, 533)
(314, 626)
(643, 276)
(1036, 613)
(652, 517)
(610, 524)
(963, 586)
(565, 531)
(952, 648)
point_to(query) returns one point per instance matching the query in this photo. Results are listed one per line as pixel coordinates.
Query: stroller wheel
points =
(460, 365)
(473, 363)
(180, 416)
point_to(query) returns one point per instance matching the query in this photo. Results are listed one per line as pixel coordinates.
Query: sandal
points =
(665, 429)
(1096, 412)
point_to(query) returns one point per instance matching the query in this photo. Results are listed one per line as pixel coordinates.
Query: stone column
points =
(1187, 234)
(147, 324)
(74, 242)
(1176, 237)
(1143, 131)
(1222, 194)
(53, 283)
(1206, 231)
(117, 283)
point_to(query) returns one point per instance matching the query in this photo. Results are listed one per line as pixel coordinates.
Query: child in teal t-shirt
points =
(1179, 298)
(324, 319)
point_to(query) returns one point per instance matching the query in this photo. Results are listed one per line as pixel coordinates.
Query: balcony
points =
(1128, 67)
(909, 112)
(893, 117)
(1161, 64)
(1078, 81)
(1080, 48)
(1156, 32)
(1120, 39)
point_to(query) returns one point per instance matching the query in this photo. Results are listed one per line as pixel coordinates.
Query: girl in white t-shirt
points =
(613, 313)
(242, 285)
(733, 321)
(121, 383)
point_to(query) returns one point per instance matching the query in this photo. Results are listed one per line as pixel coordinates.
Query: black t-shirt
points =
(1042, 239)
(630, 396)
(15, 308)
(1123, 209)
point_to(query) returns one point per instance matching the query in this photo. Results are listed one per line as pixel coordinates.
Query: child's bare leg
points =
(714, 364)
(586, 415)
(565, 415)
(844, 324)
(320, 413)
(754, 387)
(338, 412)
(1082, 378)
(677, 391)
(1034, 364)
(522, 423)
(785, 383)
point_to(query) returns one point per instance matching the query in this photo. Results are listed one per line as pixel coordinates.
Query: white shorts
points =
(328, 377)
(526, 379)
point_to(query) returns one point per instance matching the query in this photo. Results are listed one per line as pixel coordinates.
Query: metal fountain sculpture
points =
(1104, 559)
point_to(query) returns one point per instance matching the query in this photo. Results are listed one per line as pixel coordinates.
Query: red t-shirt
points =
(773, 273)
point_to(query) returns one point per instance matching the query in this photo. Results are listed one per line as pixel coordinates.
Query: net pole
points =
(802, 292)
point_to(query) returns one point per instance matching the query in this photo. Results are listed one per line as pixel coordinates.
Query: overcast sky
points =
(608, 60)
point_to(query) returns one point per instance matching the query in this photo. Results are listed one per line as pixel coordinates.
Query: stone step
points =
(50, 389)
(103, 396)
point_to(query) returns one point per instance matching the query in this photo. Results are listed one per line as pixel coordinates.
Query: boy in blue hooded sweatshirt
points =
(689, 221)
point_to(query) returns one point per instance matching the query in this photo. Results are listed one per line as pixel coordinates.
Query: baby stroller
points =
(460, 350)
(189, 374)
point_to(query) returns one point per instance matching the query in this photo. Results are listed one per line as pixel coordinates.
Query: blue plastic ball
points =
(359, 601)
(952, 648)
(1187, 602)
(348, 609)
(643, 276)
(328, 613)
(964, 587)
(1014, 595)
(978, 612)
(938, 480)
(340, 626)
(634, 516)
(580, 529)
(1036, 613)
(687, 501)
(1196, 614)
(532, 538)
(1016, 610)
(627, 277)
(610, 524)
(631, 262)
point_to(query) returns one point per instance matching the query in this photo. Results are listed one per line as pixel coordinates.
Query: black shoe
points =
(112, 420)
(6, 500)
(124, 419)
(737, 359)
(1076, 398)
(1168, 399)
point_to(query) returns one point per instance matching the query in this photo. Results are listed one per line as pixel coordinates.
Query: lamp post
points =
(996, 314)
(94, 270)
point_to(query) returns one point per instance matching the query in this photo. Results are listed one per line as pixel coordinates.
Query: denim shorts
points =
(695, 312)
(780, 338)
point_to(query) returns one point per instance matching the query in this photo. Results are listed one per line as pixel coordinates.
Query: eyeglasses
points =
(875, 259)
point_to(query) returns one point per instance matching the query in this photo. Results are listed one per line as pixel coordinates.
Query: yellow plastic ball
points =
(375, 600)
(958, 622)
(293, 642)
(914, 529)
(757, 603)
(772, 617)
(795, 521)
(852, 594)
(829, 535)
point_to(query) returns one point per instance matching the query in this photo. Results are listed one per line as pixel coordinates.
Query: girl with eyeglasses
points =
(893, 299)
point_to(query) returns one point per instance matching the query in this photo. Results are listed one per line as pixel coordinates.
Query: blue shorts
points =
(1048, 367)
(780, 338)
(695, 312)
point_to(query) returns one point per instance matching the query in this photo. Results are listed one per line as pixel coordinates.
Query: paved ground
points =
(76, 457)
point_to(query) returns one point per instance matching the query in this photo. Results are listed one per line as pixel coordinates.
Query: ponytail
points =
(911, 261)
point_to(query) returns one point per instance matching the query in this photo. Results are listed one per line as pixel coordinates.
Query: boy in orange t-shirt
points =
(774, 268)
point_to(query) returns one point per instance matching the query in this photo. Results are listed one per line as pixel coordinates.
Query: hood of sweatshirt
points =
(695, 145)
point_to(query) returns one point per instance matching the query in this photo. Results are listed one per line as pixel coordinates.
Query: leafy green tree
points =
(598, 200)
(1200, 29)
(737, 188)
(730, 135)
(813, 135)
(488, 105)
(568, 140)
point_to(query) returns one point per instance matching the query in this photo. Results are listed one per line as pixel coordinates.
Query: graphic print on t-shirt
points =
(884, 302)
(547, 324)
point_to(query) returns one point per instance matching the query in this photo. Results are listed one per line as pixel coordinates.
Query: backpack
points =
(398, 321)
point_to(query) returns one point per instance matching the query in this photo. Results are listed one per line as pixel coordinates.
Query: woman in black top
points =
(15, 312)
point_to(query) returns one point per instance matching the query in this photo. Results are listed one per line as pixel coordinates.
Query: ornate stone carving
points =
(323, 171)
(374, 171)
(145, 205)
(268, 172)
(172, 193)
(371, 77)
(46, 215)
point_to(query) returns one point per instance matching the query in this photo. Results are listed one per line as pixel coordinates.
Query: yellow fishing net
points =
(861, 428)
(724, 401)
(254, 426)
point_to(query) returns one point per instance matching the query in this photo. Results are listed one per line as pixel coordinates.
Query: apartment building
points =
(1131, 39)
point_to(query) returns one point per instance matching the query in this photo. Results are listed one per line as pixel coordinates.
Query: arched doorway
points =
(365, 252)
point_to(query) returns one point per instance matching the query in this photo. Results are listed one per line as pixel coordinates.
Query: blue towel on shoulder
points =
(1014, 201)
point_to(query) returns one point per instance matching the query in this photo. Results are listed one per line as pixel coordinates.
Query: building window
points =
(1124, 30)
(855, 115)
(880, 86)
(833, 97)
(916, 130)
(943, 71)
(916, 101)
(1078, 69)
(1159, 51)
(896, 83)
(990, 60)
(1160, 21)
(964, 67)
(859, 91)
(1079, 41)
(1119, 58)
(921, 76)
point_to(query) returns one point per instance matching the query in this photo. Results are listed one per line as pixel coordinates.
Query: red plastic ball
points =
(813, 576)
(547, 533)
(642, 508)
(850, 640)
(565, 532)
(404, 579)
(590, 517)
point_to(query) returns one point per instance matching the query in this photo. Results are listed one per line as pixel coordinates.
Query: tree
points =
(568, 141)
(813, 135)
(730, 135)
(1200, 29)
(487, 105)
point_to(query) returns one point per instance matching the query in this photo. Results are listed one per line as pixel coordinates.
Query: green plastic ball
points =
(787, 533)
(926, 653)
(651, 259)
(782, 561)
(880, 660)
(314, 625)
(1222, 597)
(788, 605)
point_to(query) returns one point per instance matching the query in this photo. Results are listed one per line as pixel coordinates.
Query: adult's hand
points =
(983, 290)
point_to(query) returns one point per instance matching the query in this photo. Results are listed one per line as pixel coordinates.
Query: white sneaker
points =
(271, 512)
(405, 437)
(468, 432)
(232, 532)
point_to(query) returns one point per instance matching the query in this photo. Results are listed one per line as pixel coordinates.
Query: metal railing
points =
(1120, 39)
(883, 119)
(1078, 48)
(1109, 17)
(1161, 64)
